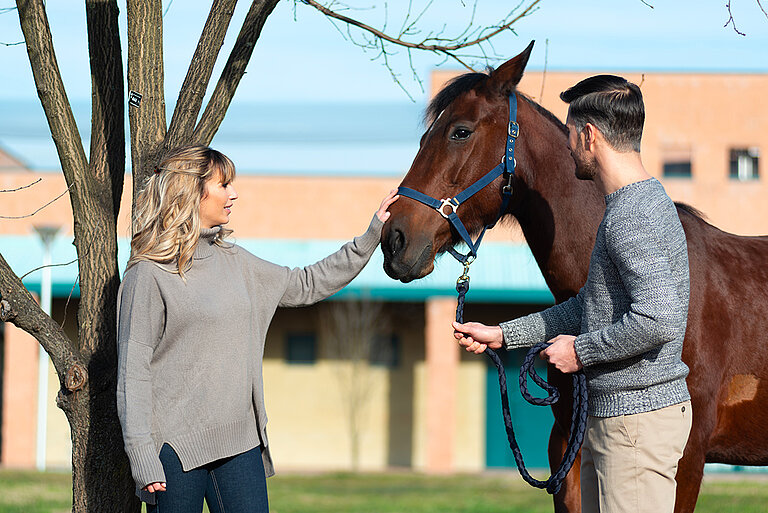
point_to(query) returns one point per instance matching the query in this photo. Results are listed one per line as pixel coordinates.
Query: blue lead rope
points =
(578, 418)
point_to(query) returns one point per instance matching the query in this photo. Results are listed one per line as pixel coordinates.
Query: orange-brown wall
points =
(271, 207)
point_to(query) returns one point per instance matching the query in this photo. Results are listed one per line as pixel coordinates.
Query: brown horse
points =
(724, 346)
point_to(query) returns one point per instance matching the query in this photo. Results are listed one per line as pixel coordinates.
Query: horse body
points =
(559, 216)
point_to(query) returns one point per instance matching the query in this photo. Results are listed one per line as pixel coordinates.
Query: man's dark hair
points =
(613, 105)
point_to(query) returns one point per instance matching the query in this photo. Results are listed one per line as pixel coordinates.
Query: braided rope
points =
(578, 419)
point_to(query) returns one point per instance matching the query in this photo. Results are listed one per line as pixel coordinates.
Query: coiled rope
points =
(578, 418)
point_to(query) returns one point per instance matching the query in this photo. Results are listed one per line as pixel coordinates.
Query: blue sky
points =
(304, 69)
(301, 57)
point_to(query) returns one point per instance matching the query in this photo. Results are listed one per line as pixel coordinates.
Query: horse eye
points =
(461, 134)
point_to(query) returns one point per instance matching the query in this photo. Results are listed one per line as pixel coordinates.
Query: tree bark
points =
(233, 71)
(95, 195)
(18, 307)
(107, 158)
(145, 77)
(199, 73)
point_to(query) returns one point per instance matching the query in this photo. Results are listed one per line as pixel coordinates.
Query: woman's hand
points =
(382, 213)
(155, 487)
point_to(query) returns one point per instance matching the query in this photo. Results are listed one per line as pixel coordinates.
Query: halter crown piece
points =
(448, 209)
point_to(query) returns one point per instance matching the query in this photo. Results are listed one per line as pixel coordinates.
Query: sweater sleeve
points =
(310, 284)
(140, 314)
(561, 319)
(656, 312)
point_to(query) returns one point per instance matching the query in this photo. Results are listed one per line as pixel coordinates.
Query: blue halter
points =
(448, 208)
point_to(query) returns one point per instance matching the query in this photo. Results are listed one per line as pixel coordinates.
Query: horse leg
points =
(690, 470)
(568, 499)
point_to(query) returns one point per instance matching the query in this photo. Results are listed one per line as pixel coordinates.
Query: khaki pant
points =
(628, 463)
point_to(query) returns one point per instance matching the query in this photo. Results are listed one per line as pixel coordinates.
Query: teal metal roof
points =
(504, 272)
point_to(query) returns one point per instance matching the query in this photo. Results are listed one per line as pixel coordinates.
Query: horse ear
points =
(508, 75)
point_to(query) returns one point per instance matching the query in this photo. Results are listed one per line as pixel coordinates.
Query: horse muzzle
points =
(407, 257)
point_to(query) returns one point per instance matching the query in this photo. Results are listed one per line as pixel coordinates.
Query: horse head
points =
(466, 138)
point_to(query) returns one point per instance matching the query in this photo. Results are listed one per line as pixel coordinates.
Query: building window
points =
(385, 350)
(676, 161)
(743, 164)
(301, 348)
(677, 169)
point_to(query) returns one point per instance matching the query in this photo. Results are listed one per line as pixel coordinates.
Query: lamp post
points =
(47, 234)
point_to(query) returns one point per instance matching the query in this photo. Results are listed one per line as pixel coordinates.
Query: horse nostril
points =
(396, 241)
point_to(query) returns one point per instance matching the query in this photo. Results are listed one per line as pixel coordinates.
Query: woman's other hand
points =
(382, 213)
(155, 487)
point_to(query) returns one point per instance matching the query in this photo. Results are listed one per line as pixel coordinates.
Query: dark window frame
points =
(388, 357)
(301, 348)
(734, 157)
(677, 169)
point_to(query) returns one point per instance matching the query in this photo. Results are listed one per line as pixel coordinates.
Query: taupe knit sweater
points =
(190, 351)
(631, 314)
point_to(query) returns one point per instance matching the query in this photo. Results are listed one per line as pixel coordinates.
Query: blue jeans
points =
(231, 485)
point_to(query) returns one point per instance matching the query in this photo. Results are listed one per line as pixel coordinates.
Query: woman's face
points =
(216, 202)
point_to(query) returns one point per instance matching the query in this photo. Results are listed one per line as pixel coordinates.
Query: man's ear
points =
(590, 136)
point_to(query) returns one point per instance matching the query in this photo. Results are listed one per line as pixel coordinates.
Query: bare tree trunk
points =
(350, 328)
(101, 478)
(146, 78)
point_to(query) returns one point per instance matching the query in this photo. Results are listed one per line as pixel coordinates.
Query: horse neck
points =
(558, 213)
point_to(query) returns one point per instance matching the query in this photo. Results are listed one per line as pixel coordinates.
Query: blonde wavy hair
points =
(166, 218)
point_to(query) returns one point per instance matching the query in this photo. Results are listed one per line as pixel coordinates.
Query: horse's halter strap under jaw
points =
(449, 207)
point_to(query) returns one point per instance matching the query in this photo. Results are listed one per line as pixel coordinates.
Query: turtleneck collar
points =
(204, 247)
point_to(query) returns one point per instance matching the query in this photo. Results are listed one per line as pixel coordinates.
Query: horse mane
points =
(544, 112)
(695, 212)
(452, 90)
(468, 81)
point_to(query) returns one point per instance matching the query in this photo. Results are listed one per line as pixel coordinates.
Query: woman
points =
(193, 313)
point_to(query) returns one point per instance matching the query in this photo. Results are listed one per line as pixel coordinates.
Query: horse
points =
(559, 215)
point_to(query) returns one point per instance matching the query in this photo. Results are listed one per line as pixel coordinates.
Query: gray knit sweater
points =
(631, 314)
(190, 352)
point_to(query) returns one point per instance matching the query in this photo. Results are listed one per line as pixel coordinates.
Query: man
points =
(626, 326)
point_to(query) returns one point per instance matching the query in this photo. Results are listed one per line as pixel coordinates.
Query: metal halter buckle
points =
(447, 203)
(513, 130)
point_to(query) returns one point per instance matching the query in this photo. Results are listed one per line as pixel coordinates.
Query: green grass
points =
(32, 492)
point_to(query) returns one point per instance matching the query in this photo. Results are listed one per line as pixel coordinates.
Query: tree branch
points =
(731, 21)
(145, 77)
(107, 157)
(199, 73)
(53, 97)
(23, 186)
(233, 71)
(18, 307)
(447, 50)
(761, 8)
(39, 209)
